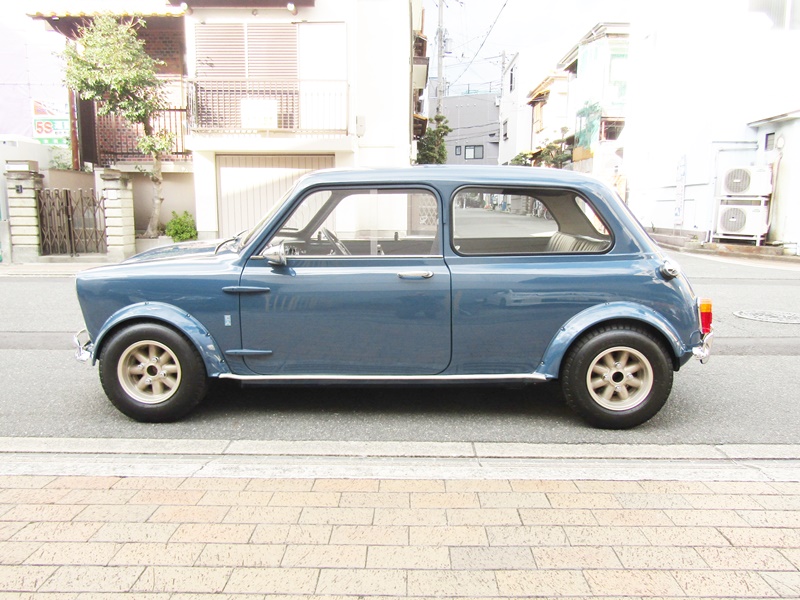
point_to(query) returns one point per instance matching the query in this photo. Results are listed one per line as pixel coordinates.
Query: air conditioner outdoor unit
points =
(746, 181)
(743, 218)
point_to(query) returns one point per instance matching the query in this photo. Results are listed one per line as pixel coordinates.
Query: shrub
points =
(181, 227)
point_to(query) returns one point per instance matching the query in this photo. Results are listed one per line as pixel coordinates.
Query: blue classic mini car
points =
(415, 275)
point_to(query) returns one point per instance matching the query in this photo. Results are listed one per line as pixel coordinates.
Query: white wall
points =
(785, 226)
(514, 109)
(699, 72)
(382, 82)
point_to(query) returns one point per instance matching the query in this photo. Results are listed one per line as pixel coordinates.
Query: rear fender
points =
(158, 312)
(596, 315)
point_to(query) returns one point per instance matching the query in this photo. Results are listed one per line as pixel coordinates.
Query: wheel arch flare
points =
(573, 329)
(174, 318)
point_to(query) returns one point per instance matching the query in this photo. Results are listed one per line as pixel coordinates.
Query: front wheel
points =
(152, 373)
(617, 377)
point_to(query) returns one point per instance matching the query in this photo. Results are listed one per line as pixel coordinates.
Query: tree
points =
(524, 159)
(553, 154)
(108, 65)
(431, 149)
(557, 153)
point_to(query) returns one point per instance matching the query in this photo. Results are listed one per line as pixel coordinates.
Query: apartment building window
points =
(611, 128)
(538, 116)
(511, 79)
(458, 150)
(505, 129)
(769, 142)
(473, 152)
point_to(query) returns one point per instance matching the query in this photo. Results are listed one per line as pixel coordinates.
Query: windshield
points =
(250, 235)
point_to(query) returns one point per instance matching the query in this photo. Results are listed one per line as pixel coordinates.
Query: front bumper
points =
(703, 351)
(83, 346)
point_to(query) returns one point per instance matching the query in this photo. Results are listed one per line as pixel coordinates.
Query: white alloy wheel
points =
(149, 372)
(619, 378)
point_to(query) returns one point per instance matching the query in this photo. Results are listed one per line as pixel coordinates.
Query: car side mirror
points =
(275, 255)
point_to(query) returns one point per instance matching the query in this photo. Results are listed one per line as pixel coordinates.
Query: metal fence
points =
(117, 138)
(71, 222)
(243, 105)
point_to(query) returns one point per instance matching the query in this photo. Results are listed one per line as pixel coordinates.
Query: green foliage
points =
(160, 142)
(431, 149)
(588, 124)
(524, 159)
(61, 158)
(108, 64)
(181, 227)
(557, 153)
(553, 154)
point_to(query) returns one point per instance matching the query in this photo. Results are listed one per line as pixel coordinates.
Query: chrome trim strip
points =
(244, 289)
(245, 352)
(378, 378)
(383, 257)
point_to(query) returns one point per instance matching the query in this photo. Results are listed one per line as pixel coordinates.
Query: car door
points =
(521, 272)
(364, 290)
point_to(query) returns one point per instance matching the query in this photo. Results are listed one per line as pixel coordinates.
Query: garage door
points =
(249, 185)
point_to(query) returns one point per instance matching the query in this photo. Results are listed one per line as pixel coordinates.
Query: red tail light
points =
(705, 315)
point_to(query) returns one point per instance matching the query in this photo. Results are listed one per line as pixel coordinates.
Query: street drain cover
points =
(769, 316)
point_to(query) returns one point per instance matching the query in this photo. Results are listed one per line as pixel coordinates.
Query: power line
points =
(482, 43)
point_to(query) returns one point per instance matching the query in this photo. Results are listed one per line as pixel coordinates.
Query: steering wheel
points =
(331, 237)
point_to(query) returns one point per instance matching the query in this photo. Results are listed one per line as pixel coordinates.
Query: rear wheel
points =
(152, 373)
(617, 377)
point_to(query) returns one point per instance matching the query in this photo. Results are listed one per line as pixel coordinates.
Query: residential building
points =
(474, 121)
(263, 92)
(549, 102)
(731, 119)
(598, 82)
(109, 141)
(515, 114)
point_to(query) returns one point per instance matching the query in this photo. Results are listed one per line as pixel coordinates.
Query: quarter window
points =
(489, 221)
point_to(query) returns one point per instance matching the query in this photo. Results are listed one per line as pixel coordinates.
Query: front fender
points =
(175, 318)
(612, 311)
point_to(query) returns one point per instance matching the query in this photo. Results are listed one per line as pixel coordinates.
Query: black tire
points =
(152, 373)
(617, 376)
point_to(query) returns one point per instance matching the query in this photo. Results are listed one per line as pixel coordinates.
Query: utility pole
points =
(440, 78)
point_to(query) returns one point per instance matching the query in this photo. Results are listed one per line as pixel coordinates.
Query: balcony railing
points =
(117, 138)
(250, 105)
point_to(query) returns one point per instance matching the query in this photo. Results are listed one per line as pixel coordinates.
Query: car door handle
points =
(415, 275)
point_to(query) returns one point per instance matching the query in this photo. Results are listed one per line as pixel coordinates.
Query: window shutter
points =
(220, 50)
(272, 51)
(252, 50)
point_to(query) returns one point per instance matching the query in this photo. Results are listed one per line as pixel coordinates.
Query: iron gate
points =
(71, 222)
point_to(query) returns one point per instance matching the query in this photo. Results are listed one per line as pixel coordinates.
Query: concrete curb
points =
(381, 449)
(396, 460)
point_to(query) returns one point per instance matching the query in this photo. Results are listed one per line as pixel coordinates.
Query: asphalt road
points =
(747, 394)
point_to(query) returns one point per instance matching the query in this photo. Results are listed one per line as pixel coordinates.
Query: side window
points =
(363, 222)
(489, 221)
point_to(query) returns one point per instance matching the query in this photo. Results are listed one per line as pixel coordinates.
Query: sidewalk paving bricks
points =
(82, 537)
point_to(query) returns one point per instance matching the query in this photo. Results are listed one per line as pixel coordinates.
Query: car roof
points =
(476, 175)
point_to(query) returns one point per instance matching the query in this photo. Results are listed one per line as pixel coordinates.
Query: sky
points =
(546, 29)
